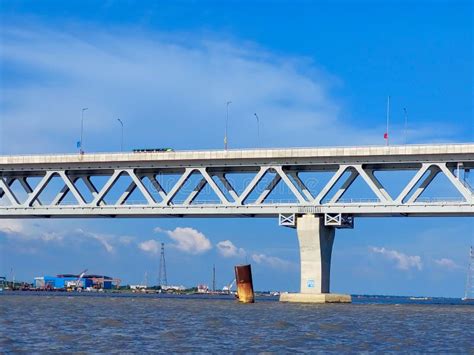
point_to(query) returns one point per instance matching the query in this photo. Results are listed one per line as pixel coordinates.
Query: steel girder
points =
(160, 200)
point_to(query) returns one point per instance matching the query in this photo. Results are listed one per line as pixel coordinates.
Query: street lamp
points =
(82, 128)
(226, 124)
(406, 125)
(258, 129)
(121, 140)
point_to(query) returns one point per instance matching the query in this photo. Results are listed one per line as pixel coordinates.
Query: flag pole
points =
(388, 119)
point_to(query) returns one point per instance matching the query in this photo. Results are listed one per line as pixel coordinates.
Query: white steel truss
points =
(162, 198)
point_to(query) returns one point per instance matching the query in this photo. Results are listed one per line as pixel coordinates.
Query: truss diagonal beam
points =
(75, 192)
(9, 182)
(228, 186)
(409, 187)
(344, 186)
(373, 184)
(333, 181)
(252, 185)
(214, 186)
(271, 185)
(191, 197)
(289, 183)
(124, 197)
(106, 188)
(29, 190)
(39, 188)
(455, 181)
(378, 185)
(92, 189)
(156, 185)
(174, 190)
(62, 194)
(8, 192)
(309, 196)
(141, 187)
(433, 171)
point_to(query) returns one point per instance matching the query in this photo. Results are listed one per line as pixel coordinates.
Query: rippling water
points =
(116, 323)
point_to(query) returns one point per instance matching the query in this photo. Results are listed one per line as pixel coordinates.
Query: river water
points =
(46, 322)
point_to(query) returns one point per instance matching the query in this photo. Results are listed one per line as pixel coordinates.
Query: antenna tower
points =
(214, 278)
(162, 280)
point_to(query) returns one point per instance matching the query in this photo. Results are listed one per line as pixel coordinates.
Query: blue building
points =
(70, 280)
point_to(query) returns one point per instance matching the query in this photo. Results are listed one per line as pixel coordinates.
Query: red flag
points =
(385, 135)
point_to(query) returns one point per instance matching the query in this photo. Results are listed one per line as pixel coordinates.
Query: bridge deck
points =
(68, 185)
(369, 153)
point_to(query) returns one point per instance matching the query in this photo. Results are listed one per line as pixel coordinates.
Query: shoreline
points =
(357, 299)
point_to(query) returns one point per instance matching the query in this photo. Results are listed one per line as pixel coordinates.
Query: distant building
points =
(203, 288)
(3, 282)
(70, 280)
(173, 288)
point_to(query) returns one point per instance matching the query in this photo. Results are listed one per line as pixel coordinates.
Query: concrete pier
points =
(315, 242)
(315, 298)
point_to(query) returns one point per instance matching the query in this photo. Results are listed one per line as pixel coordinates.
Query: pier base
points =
(315, 243)
(315, 298)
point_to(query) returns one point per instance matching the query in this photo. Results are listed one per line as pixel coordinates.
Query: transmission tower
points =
(469, 293)
(214, 278)
(162, 280)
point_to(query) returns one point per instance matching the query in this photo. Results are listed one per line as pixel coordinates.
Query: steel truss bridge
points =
(24, 180)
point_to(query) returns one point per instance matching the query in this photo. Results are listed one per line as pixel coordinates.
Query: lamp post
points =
(121, 140)
(82, 128)
(406, 125)
(387, 136)
(226, 124)
(258, 129)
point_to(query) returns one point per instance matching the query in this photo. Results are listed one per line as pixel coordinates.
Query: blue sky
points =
(316, 73)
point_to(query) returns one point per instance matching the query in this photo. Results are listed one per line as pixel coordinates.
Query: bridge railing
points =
(374, 201)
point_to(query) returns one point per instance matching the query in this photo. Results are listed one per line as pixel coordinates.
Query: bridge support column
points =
(315, 242)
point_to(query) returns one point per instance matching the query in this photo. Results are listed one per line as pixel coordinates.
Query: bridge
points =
(306, 188)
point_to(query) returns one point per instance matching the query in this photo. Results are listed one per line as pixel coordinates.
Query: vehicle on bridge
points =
(152, 150)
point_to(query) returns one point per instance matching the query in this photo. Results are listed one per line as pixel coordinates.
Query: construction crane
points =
(77, 284)
(228, 287)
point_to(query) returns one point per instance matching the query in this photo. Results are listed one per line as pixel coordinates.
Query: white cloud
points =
(189, 240)
(150, 246)
(271, 261)
(134, 75)
(105, 243)
(103, 239)
(51, 236)
(11, 226)
(126, 240)
(26, 231)
(403, 261)
(228, 250)
(447, 263)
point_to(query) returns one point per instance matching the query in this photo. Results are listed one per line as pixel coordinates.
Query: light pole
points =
(387, 137)
(82, 127)
(406, 125)
(121, 140)
(258, 129)
(226, 124)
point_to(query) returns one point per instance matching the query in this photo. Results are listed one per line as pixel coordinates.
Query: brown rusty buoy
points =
(243, 277)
